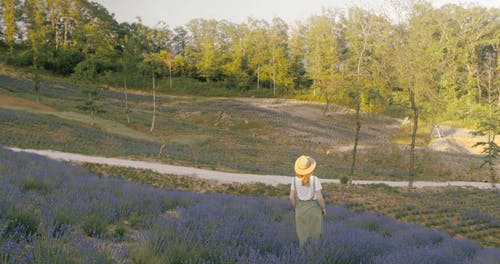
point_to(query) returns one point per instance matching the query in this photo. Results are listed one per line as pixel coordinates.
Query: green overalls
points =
(308, 217)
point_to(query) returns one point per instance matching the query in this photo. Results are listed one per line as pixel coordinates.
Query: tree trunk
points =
(411, 170)
(491, 133)
(491, 157)
(356, 140)
(37, 85)
(37, 77)
(66, 25)
(358, 105)
(125, 91)
(471, 83)
(478, 85)
(274, 75)
(154, 102)
(327, 98)
(57, 34)
(91, 109)
(498, 93)
(258, 77)
(170, 72)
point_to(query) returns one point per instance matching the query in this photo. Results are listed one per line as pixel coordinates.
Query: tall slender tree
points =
(236, 66)
(204, 51)
(489, 118)
(323, 53)
(156, 41)
(279, 55)
(37, 34)
(417, 65)
(297, 55)
(362, 34)
(258, 49)
(125, 50)
(9, 22)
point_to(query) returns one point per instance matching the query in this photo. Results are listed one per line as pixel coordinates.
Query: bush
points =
(344, 180)
(22, 59)
(65, 61)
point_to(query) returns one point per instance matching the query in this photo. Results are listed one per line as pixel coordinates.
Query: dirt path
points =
(225, 177)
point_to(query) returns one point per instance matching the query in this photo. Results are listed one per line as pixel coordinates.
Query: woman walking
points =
(306, 198)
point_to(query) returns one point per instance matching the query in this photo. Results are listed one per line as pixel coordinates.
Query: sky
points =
(179, 12)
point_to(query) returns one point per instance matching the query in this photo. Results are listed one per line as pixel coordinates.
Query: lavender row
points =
(59, 89)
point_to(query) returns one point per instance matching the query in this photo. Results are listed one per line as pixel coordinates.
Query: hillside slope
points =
(242, 135)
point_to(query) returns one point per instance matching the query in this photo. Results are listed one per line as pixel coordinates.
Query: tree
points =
(360, 27)
(297, 55)
(489, 126)
(205, 50)
(91, 103)
(258, 48)
(363, 30)
(168, 60)
(279, 54)
(417, 65)
(9, 22)
(323, 53)
(37, 34)
(489, 119)
(155, 41)
(463, 33)
(178, 44)
(124, 46)
(236, 65)
(95, 37)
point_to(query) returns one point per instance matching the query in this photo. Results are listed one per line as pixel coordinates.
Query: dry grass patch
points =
(14, 102)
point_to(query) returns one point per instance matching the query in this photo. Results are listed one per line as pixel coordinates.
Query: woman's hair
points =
(305, 179)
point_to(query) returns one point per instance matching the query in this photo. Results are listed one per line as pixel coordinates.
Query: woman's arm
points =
(321, 202)
(292, 198)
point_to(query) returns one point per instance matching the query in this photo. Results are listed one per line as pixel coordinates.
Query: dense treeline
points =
(445, 58)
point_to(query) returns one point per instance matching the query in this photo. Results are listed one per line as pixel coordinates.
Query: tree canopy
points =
(345, 56)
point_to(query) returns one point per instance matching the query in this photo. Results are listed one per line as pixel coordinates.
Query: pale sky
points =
(179, 12)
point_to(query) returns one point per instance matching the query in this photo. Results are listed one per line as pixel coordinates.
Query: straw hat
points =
(304, 165)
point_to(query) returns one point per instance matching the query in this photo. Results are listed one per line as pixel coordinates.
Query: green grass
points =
(223, 134)
(107, 125)
(186, 183)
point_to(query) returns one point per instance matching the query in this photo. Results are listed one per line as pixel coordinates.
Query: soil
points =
(17, 102)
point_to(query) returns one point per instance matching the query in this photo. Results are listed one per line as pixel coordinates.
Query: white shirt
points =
(306, 192)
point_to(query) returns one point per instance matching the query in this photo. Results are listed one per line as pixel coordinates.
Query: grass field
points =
(247, 135)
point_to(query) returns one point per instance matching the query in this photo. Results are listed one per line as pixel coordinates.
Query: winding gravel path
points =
(226, 177)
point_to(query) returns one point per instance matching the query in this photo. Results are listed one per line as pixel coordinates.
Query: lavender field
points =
(54, 212)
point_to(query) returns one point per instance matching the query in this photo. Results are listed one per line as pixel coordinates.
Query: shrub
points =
(344, 180)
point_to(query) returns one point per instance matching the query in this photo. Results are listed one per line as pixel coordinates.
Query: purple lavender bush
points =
(55, 212)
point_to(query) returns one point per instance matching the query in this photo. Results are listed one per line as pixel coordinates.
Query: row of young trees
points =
(423, 61)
